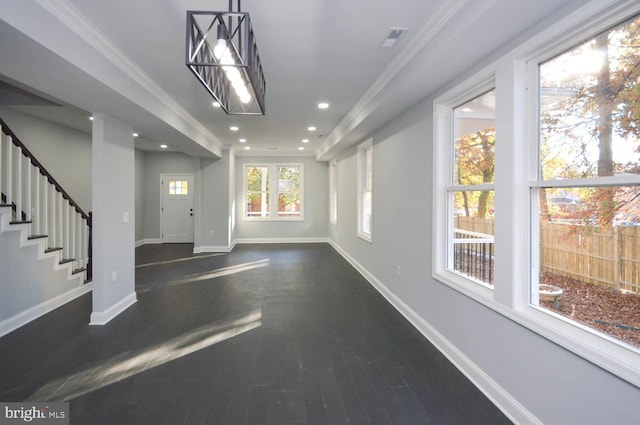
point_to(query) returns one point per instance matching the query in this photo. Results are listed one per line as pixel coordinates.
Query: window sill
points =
(270, 219)
(365, 236)
(600, 349)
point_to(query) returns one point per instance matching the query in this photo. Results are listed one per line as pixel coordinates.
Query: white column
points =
(113, 205)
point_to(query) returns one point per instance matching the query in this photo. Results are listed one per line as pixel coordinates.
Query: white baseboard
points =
(150, 241)
(515, 411)
(281, 240)
(21, 319)
(201, 249)
(103, 317)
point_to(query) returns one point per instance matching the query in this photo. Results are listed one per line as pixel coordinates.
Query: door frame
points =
(168, 175)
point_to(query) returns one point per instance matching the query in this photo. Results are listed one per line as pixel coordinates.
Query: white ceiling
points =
(126, 58)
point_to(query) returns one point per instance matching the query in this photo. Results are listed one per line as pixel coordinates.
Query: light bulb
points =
(241, 90)
(220, 48)
(232, 73)
(245, 97)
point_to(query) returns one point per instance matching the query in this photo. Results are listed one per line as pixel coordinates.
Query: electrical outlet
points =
(211, 232)
(398, 271)
(113, 276)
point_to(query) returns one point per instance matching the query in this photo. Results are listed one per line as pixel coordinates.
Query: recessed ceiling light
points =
(305, 140)
(216, 104)
(163, 146)
(301, 148)
(311, 128)
(467, 109)
(135, 134)
(91, 118)
(323, 105)
(234, 128)
(243, 140)
(246, 148)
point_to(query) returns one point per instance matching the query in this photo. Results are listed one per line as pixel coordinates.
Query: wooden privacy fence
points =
(474, 224)
(609, 258)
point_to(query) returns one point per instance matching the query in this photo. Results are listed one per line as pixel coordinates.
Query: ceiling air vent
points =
(393, 36)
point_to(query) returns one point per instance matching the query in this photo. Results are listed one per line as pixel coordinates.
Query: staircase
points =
(45, 238)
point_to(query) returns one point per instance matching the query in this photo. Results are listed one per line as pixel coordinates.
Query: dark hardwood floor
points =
(267, 334)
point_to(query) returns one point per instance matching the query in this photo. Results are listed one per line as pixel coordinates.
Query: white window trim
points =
(444, 153)
(273, 192)
(333, 192)
(516, 177)
(362, 148)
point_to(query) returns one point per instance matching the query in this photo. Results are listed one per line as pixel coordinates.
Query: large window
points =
(558, 195)
(471, 191)
(273, 184)
(365, 190)
(333, 192)
(586, 194)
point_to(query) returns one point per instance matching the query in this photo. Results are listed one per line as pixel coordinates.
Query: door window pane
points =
(178, 187)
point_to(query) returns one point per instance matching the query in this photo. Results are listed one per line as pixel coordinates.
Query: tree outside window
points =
(471, 245)
(589, 195)
(262, 190)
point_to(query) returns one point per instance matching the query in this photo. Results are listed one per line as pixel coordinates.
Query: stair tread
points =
(80, 270)
(66, 260)
(57, 248)
(37, 237)
(20, 222)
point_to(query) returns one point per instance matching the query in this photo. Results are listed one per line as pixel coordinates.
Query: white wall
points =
(539, 377)
(140, 161)
(113, 217)
(155, 164)
(213, 215)
(316, 210)
(64, 152)
(32, 283)
(233, 204)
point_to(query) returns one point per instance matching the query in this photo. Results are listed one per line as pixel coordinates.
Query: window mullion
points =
(510, 235)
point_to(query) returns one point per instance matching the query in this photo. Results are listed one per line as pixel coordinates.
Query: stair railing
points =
(38, 199)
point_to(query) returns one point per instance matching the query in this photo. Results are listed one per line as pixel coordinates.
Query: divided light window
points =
(586, 198)
(273, 184)
(333, 192)
(178, 187)
(365, 190)
(565, 180)
(471, 191)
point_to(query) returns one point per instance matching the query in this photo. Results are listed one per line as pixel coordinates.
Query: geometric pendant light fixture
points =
(222, 53)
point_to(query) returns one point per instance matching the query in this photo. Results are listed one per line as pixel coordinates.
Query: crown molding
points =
(76, 22)
(371, 98)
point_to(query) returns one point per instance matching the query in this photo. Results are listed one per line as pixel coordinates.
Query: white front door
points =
(177, 208)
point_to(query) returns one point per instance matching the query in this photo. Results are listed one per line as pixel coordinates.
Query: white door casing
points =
(177, 208)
